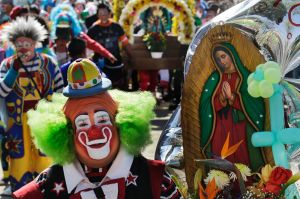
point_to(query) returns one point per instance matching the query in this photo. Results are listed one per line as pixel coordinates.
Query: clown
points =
(96, 137)
(25, 78)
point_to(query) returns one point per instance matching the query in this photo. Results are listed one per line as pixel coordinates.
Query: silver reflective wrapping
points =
(273, 25)
(169, 148)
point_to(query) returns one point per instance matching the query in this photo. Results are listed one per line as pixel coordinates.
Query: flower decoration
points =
(210, 191)
(265, 173)
(226, 150)
(155, 41)
(179, 8)
(278, 177)
(192, 5)
(118, 6)
(245, 170)
(221, 178)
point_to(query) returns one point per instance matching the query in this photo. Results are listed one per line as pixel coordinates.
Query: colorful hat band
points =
(87, 84)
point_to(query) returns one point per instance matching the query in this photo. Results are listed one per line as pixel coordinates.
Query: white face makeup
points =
(82, 122)
(25, 48)
(95, 141)
(102, 118)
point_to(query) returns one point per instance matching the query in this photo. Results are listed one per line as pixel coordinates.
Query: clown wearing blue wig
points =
(96, 136)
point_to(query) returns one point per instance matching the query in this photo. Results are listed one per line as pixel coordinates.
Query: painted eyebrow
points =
(99, 110)
(83, 113)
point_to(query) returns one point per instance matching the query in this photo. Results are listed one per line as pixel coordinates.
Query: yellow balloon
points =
(272, 75)
(271, 64)
(250, 78)
(260, 66)
(253, 89)
(265, 89)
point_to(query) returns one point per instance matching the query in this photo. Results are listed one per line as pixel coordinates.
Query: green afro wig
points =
(51, 131)
(135, 110)
(53, 134)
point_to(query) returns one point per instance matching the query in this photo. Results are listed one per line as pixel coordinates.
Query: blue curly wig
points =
(64, 13)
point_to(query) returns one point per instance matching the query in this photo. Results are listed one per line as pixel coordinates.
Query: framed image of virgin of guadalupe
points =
(215, 101)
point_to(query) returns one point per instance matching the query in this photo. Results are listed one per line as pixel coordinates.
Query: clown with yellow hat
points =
(95, 137)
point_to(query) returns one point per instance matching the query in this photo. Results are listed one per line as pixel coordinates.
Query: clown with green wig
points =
(95, 136)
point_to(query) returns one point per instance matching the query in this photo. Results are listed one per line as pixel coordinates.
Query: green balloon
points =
(250, 78)
(265, 89)
(253, 89)
(271, 64)
(272, 75)
(260, 66)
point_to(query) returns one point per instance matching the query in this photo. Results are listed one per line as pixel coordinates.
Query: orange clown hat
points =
(85, 79)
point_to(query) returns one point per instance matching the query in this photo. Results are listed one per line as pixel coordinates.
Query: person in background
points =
(109, 34)
(25, 78)
(76, 49)
(201, 8)
(211, 11)
(65, 27)
(6, 7)
(34, 11)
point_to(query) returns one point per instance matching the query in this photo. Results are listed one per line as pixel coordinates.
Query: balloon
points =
(253, 89)
(250, 78)
(265, 89)
(272, 64)
(258, 74)
(272, 75)
(260, 66)
(260, 139)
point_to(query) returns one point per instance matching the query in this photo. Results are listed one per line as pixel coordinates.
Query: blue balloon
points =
(278, 136)
(258, 74)
(261, 139)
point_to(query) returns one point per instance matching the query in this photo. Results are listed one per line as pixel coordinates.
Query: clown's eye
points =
(82, 122)
(101, 118)
(103, 121)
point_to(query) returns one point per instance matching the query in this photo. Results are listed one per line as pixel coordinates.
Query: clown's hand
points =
(17, 65)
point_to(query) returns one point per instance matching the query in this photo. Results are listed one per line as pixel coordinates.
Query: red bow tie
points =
(111, 189)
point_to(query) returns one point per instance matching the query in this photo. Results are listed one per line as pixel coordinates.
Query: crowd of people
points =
(49, 46)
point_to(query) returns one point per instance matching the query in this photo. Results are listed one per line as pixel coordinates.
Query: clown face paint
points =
(96, 139)
(25, 48)
(100, 152)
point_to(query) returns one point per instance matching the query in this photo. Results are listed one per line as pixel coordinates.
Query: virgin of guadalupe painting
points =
(215, 101)
(226, 107)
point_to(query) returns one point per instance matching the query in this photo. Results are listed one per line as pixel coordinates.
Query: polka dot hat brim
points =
(104, 85)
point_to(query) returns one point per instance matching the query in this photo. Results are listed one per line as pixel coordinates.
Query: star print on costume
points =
(29, 89)
(131, 179)
(58, 188)
(13, 145)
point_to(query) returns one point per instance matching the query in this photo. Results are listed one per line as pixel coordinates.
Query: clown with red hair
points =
(95, 137)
